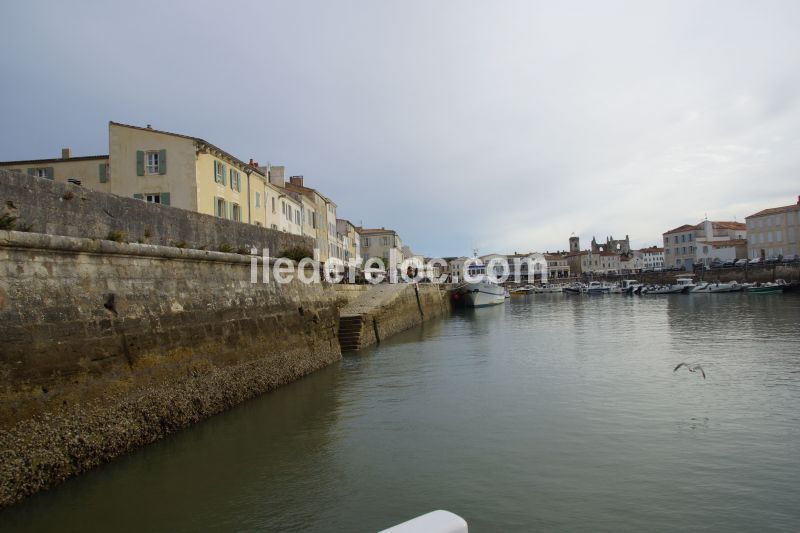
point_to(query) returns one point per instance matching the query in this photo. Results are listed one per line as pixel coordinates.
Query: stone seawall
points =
(109, 346)
(45, 206)
(387, 309)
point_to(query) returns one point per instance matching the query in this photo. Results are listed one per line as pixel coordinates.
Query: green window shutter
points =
(164, 198)
(216, 207)
(233, 178)
(214, 170)
(31, 171)
(49, 172)
(138, 196)
(103, 172)
(162, 161)
(229, 209)
(224, 176)
(139, 163)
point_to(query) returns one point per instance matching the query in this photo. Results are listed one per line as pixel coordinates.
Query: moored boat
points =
(703, 286)
(547, 287)
(723, 287)
(482, 291)
(521, 291)
(765, 288)
(575, 288)
(595, 287)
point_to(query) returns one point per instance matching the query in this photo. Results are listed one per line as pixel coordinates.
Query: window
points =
(219, 207)
(40, 173)
(236, 180)
(219, 172)
(314, 220)
(690, 237)
(297, 216)
(153, 198)
(236, 213)
(258, 199)
(683, 238)
(283, 208)
(385, 241)
(151, 162)
(366, 241)
(273, 206)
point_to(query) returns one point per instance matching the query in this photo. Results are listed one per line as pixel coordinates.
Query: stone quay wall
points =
(109, 346)
(408, 307)
(45, 206)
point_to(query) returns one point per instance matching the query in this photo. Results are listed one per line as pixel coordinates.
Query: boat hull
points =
(482, 294)
(765, 290)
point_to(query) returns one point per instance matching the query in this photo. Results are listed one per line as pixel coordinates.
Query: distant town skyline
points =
(472, 125)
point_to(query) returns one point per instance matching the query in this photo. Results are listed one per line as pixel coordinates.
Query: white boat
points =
(629, 286)
(724, 287)
(686, 284)
(546, 287)
(701, 287)
(484, 291)
(662, 289)
(595, 287)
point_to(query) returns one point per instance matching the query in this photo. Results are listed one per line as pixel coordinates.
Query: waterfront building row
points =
(190, 173)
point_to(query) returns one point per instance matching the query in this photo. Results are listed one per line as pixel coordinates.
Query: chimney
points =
(66, 153)
(798, 200)
(296, 180)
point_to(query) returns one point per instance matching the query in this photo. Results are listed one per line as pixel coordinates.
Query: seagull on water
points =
(691, 368)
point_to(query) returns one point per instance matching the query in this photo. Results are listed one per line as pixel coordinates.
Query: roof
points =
(723, 224)
(679, 229)
(729, 225)
(308, 191)
(652, 250)
(374, 230)
(776, 210)
(54, 160)
(197, 140)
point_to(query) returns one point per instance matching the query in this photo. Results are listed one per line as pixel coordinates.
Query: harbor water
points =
(550, 412)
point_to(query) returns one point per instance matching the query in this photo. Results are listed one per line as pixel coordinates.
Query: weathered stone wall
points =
(408, 308)
(346, 293)
(64, 209)
(108, 346)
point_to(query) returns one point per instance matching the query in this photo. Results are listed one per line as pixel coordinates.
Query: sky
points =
(500, 126)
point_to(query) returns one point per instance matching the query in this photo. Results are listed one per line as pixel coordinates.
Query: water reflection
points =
(549, 412)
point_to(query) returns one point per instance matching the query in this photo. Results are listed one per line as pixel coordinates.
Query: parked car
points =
(791, 259)
(728, 263)
(771, 260)
(740, 262)
(716, 263)
(756, 261)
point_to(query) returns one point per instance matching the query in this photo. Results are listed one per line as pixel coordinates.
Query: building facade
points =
(774, 232)
(681, 244)
(377, 242)
(652, 258)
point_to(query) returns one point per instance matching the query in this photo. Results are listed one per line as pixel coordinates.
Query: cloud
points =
(506, 126)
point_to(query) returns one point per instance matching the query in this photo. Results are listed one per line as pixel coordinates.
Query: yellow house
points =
(183, 171)
(88, 171)
(191, 173)
(323, 218)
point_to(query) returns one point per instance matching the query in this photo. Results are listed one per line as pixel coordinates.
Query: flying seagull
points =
(691, 368)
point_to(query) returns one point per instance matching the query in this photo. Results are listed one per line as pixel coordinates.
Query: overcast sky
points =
(498, 125)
